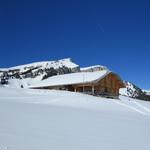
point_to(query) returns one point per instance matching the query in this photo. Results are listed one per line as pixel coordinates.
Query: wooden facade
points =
(108, 86)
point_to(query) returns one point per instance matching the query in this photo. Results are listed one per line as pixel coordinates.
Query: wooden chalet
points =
(99, 83)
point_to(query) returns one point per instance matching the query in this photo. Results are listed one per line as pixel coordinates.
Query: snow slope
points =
(61, 120)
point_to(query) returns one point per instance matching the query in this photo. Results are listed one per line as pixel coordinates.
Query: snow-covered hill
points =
(58, 120)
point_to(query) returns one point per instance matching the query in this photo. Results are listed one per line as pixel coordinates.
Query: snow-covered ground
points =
(61, 120)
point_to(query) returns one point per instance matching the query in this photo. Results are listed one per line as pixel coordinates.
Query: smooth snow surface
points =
(72, 78)
(61, 120)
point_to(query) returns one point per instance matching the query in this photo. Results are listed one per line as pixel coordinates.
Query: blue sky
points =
(111, 33)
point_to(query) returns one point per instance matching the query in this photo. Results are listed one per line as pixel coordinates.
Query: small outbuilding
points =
(99, 83)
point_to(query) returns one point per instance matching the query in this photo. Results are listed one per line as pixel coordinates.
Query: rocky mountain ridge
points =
(44, 69)
(133, 91)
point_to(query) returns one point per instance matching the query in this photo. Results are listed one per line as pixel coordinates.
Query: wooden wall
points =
(108, 85)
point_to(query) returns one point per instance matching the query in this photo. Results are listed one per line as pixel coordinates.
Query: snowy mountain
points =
(133, 91)
(30, 73)
(93, 68)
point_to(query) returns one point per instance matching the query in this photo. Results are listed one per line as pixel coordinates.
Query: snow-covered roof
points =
(72, 78)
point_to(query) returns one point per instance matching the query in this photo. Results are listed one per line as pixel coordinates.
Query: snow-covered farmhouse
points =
(102, 82)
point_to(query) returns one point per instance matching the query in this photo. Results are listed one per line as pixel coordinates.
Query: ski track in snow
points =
(130, 107)
(141, 106)
(136, 106)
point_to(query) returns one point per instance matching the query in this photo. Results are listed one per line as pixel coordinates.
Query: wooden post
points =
(117, 88)
(83, 88)
(92, 89)
(75, 90)
(83, 82)
(111, 83)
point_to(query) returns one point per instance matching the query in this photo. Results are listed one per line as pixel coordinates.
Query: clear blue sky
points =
(111, 33)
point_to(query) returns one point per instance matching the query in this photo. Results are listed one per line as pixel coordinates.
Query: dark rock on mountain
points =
(39, 69)
(134, 91)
